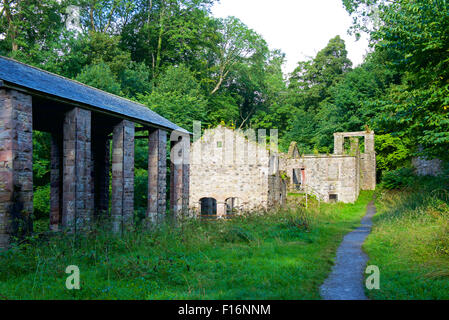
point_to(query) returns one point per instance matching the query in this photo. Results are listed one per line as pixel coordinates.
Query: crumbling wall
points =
(328, 175)
(425, 167)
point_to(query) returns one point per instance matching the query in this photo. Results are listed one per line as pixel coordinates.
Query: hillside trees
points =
(413, 36)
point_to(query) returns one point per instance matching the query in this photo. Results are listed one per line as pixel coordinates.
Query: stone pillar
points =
(369, 143)
(16, 165)
(157, 176)
(101, 165)
(221, 209)
(369, 163)
(338, 143)
(122, 210)
(56, 182)
(78, 202)
(179, 174)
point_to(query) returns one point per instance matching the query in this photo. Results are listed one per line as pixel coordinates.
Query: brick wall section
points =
(157, 176)
(122, 210)
(16, 159)
(78, 202)
(56, 182)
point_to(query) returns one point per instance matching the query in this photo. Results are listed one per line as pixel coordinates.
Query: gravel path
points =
(346, 281)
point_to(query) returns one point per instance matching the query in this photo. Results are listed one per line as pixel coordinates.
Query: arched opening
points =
(232, 206)
(208, 207)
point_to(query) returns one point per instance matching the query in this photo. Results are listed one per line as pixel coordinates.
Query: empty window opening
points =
(299, 178)
(208, 207)
(333, 198)
(232, 206)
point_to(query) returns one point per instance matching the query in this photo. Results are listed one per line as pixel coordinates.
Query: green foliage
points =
(177, 96)
(41, 201)
(391, 152)
(398, 179)
(101, 77)
(412, 37)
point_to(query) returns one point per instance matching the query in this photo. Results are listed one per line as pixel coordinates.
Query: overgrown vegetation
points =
(284, 254)
(410, 241)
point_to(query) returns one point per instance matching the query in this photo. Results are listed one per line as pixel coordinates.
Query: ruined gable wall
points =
(224, 165)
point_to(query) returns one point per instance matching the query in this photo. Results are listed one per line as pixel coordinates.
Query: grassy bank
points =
(283, 255)
(410, 242)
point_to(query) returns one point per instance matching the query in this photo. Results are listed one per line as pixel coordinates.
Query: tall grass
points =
(410, 241)
(284, 254)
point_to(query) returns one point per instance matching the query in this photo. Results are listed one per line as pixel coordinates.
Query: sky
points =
(299, 28)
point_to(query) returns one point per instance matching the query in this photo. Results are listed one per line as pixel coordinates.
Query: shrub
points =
(41, 201)
(398, 179)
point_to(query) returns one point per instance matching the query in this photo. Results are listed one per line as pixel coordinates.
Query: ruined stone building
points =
(336, 177)
(231, 173)
(82, 122)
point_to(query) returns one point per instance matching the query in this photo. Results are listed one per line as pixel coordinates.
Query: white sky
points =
(299, 28)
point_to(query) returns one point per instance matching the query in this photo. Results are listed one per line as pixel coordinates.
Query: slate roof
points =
(29, 77)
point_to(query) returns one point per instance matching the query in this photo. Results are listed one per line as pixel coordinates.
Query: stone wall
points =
(425, 167)
(341, 175)
(327, 175)
(225, 164)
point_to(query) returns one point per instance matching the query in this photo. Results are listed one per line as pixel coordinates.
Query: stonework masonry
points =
(16, 162)
(229, 165)
(122, 176)
(426, 167)
(157, 176)
(226, 165)
(78, 201)
(337, 177)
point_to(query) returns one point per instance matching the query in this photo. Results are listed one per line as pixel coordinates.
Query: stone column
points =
(369, 165)
(221, 209)
(16, 165)
(369, 143)
(338, 143)
(56, 182)
(179, 174)
(122, 210)
(157, 175)
(78, 202)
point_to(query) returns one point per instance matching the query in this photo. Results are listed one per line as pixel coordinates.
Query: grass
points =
(281, 255)
(410, 242)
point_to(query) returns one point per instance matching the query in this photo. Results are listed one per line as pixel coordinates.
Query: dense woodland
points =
(179, 60)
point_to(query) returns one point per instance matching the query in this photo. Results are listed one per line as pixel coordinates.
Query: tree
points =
(414, 37)
(177, 96)
(32, 31)
(101, 77)
(237, 43)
